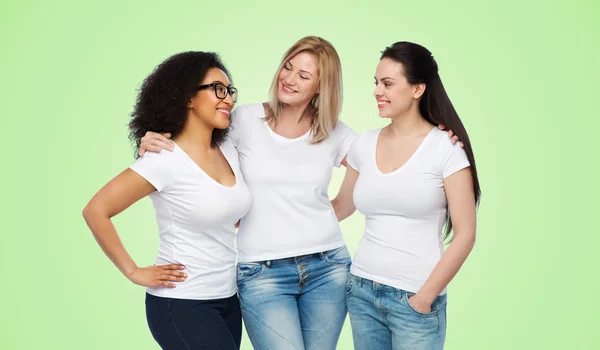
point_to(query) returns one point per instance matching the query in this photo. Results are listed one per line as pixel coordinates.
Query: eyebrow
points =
(304, 71)
(384, 78)
(219, 82)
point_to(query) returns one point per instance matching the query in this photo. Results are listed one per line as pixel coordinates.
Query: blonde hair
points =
(328, 102)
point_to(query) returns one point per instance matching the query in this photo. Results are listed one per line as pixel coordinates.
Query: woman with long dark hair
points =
(409, 180)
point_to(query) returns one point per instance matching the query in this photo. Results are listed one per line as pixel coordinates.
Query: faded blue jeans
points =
(295, 303)
(382, 318)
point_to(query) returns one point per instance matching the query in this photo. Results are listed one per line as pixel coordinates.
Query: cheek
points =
(282, 74)
(309, 87)
(401, 97)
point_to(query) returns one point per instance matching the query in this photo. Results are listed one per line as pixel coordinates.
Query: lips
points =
(381, 104)
(287, 89)
(224, 111)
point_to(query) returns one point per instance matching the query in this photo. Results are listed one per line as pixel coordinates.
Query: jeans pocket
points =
(351, 284)
(434, 306)
(338, 256)
(248, 272)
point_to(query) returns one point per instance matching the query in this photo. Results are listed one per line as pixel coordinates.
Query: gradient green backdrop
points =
(522, 74)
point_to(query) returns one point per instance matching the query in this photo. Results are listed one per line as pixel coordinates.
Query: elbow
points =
(466, 238)
(342, 210)
(90, 211)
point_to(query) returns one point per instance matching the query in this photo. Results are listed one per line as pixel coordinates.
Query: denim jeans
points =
(295, 303)
(382, 318)
(182, 324)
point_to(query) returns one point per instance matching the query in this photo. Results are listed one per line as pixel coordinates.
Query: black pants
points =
(195, 324)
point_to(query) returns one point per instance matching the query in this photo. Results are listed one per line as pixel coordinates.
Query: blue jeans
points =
(382, 318)
(182, 324)
(295, 303)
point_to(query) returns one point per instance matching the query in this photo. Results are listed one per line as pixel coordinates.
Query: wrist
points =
(427, 296)
(129, 271)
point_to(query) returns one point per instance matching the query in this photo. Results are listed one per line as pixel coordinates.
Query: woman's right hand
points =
(158, 276)
(155, 142)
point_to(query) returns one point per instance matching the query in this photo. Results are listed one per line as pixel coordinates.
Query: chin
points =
(383, 115)
(222, 124)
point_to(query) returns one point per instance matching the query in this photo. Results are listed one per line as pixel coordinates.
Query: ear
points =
(419, 90)
(189, 104)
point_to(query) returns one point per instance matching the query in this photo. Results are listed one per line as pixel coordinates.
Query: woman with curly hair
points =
(198, 193)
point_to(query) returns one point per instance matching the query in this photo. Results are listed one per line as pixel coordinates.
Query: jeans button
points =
(268, 263)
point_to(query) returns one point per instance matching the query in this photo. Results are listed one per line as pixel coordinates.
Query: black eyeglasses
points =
(221, 91)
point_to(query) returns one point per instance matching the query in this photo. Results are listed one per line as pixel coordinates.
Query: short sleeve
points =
(156, 168)
(353, 157)
(454, 158)
(345, 136)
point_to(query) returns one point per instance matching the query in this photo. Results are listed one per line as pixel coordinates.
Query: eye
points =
(286, 67)
(387, 84)
(221, 89)
(303, 77)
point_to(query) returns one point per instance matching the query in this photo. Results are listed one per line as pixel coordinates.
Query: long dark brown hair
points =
(421, 68)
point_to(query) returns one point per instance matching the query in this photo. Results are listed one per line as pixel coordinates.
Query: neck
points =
(297, 113)
(408, 124)
(195, 135)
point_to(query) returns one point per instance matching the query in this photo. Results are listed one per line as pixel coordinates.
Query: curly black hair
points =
(161, 104)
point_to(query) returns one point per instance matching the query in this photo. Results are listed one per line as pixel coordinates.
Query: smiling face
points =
(298, 80)
(206, 106)
(394, 95)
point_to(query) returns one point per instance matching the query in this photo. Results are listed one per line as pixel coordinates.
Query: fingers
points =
(172, 267)
(165, 284)
(171, 277)
(450, 133)
(462, 144)
(454, 139)
(154, 142)
(441, 126)
(166, 134)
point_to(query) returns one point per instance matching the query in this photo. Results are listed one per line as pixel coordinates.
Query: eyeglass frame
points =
(228, 90)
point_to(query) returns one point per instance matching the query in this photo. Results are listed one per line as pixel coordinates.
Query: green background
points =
(523, 76)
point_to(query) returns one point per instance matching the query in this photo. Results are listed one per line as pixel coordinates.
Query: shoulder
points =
(159, 158)
(367, 135)
(342, 131)
(341, 127)
(250, 110)
(444, 141)
(228, 147)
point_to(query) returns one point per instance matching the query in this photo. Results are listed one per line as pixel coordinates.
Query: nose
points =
(289, 79)
(378, 91)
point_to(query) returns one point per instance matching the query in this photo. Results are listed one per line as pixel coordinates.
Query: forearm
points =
(448, 266)
(343, 209)
(106, 235)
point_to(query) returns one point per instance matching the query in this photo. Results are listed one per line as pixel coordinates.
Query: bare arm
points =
(343, 203)
(116, 196)
(459, 191)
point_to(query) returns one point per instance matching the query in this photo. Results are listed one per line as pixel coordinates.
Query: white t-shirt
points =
(291, 213)
(196, 217)
(404, 210)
